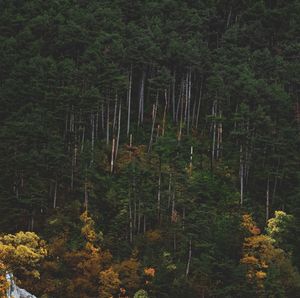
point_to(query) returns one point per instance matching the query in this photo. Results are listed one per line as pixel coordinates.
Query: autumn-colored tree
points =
(130, 272)
(21, 253)
(267, 265)
(3, 282)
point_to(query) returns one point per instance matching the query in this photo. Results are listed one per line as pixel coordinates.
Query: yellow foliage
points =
(22, 252)
(109, 283)
(3, 282)
(88, 227)
(153, 235)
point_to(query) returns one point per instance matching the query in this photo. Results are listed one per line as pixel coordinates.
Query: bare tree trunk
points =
(130, 220)
(141, 101)
(268, 200)
(55, 194)
(119, 129)
(199, 104)
(165, 114)
(214, 108)
(129, 101)
(191, 160)
(189, 87)
(241, 176)
(102, 117)
(82, 139)
(173, 97)
(181, 121)
(93, 135)
(112, 155)
(154, 112)
(179, 104)
(159, 194)
(107, 125)
(189, 259)
(115, 115)
(86, 198)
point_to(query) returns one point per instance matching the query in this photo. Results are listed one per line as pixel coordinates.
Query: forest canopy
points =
(152, 145)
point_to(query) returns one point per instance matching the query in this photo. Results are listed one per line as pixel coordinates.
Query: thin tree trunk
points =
(268, 200)
(85, 191)
(55, 195)
(112, 155)
(129, 101)
(154, 112)
(119, 129)
(241, 176)
(189, 259)
(141, 101)
(159, 194)
(199, 104)
(93, 135)
(173, 97)
(165, 114)
(130, 220)
(115, 115)
(107, 125)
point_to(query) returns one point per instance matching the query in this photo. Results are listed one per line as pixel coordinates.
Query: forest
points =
(150, 148)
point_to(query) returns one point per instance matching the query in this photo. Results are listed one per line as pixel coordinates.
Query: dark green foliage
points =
(221, 77)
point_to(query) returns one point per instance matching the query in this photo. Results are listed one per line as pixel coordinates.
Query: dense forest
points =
(150, 147)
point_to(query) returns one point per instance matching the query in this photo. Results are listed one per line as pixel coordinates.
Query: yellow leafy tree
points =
(20, 253)
(259, 253)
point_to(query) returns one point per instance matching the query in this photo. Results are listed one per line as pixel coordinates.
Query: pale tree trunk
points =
(219, 136)
(165, 114)
(154, 112)
(173, 97)
(93, 135)
(55, 194)
(191, 160)
(241, 176)
(102, 117)
(141, 100)
(199, 104)
(130, 219)
(159, 194)
(189, 259)
(86, 198)
(112, 155)
(119, 129)
(82, 139)
(107, 125)
(115, 115)
(268, 200)
(157, 132)
(181, 120)
(129, 101)
(179, 104)
(186, 97)
(189, 87)
(214, 127)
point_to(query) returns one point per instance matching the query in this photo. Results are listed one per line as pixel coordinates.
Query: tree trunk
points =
(129, 101)
(241, 176)
(189, 259)
(154, 112)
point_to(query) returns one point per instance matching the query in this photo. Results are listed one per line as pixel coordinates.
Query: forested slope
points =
(174, 123)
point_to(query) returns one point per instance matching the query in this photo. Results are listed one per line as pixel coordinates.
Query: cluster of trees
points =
(166, 121)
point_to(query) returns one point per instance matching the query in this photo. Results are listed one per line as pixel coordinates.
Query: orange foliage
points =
(3, 282)
(149, 271)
